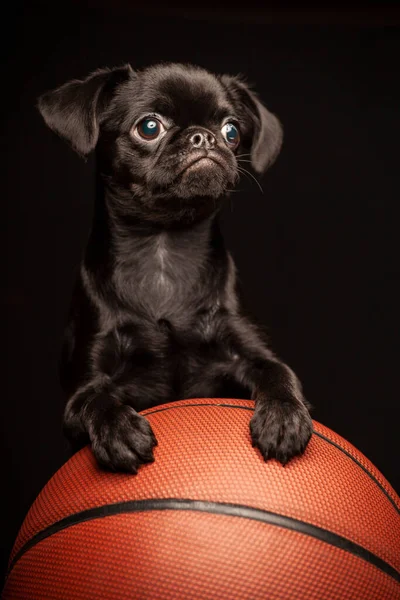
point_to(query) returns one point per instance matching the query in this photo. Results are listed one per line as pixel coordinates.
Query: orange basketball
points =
(210, 519)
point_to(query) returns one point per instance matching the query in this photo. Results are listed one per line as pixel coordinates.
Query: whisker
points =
(246, 172)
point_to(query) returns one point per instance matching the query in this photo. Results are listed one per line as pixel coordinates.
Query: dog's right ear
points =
(74, 110)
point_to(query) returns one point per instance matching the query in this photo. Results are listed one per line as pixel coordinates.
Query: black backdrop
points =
(317, 251)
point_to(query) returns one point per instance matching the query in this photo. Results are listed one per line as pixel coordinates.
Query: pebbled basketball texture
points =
(209, 519)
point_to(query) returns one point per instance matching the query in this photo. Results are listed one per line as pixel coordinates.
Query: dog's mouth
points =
(203, 172)
(203, 160)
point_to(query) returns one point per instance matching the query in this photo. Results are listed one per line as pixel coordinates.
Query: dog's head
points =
(168, 138)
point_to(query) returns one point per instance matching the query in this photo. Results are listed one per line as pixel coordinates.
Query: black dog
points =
(156, 315)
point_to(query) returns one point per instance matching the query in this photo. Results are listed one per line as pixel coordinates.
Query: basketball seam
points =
(320, 435)
(220, 508)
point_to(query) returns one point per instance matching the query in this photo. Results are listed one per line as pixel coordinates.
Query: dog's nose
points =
(202, 139)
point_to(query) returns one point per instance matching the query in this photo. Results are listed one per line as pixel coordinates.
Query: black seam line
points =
(370, 475)
(320, 435)
(218, 508)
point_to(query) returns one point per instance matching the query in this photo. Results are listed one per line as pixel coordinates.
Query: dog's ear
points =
(266, 130)
(74, 110)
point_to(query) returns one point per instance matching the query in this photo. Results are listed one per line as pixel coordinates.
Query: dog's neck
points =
(146, 263)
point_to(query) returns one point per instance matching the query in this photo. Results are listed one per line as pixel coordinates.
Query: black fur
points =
(156, 314)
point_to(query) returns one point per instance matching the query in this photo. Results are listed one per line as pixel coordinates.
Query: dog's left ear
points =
(74, 110)
(266, 131)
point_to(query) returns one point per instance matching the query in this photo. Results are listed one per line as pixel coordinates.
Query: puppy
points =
(156, 314)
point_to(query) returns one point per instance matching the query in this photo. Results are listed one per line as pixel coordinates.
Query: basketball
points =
(209, 519)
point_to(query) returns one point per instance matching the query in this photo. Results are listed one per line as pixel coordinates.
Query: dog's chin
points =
(204, 177)
(183, 194)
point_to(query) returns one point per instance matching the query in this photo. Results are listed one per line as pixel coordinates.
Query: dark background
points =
(317, 251)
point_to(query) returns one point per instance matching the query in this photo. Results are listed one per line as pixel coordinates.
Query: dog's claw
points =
(281, 430)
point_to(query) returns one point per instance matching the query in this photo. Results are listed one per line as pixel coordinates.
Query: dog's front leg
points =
(103, 409)
(281, 425)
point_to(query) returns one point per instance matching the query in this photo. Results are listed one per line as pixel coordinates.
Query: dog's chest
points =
(162, 280)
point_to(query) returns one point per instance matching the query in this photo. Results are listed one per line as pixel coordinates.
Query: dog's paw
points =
(121, 439)
(280, 429)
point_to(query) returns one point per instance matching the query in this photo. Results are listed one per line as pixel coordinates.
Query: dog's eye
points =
(231, 134)
(150, 128)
